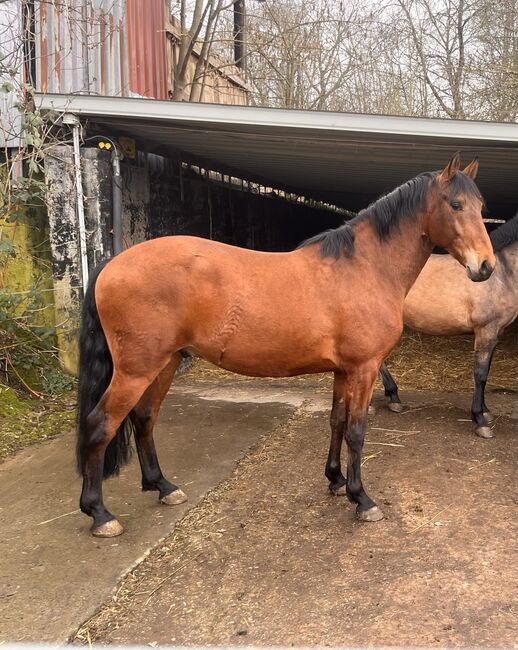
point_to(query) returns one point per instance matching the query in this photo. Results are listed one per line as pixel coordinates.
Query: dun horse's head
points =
(455, 219)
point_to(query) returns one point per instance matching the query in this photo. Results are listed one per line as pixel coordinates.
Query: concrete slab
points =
(53, 574)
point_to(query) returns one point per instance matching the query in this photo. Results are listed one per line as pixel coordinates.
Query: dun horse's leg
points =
(122, 394)
(144, 416)
(358, 394)
(333, 469)
(391, 390)
(484, 349)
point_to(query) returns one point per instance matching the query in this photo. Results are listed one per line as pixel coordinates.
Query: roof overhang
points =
(343, 158)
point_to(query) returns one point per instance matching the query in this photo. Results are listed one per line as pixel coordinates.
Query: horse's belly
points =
(437, 324)
(274, 358)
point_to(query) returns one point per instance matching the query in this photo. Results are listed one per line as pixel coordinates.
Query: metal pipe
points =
(118, 243)
(239, 34)
(73, 122)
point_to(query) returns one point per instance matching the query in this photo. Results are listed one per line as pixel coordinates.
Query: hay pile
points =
(446, 363)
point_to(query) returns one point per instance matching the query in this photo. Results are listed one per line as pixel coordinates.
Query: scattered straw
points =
(66, 514)
(370, 457)
(429, 521)
(168, 577)
(492, 460)
(395, 430)
(385, 444)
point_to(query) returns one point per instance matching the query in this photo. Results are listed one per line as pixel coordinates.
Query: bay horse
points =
(443, 303)
(335, 304)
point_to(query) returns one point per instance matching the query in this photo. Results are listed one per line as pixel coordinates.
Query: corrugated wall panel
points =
(10, 32)
(82, 46)
(147, 45)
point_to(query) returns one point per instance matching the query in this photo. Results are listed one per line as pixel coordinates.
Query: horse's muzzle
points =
(482, 273)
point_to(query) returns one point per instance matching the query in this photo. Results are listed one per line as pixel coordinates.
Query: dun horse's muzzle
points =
(482, 273)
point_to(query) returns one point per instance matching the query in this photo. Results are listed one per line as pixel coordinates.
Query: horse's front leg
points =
(484, 348)
(333, 469)
(358, 392)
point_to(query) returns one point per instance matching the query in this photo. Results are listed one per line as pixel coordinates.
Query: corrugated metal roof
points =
(347, 159)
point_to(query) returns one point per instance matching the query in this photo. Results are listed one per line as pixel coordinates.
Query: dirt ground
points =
(269, 557)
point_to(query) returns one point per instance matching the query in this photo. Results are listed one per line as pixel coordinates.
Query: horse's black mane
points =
(505, 235)
(386, 213)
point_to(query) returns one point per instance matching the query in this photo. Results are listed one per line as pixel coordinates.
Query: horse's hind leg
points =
(333, 469)
(484, 348)
(144, 416)
(103, 423)
(391, 389)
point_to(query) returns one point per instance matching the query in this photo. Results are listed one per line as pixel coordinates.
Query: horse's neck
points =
(400, 258)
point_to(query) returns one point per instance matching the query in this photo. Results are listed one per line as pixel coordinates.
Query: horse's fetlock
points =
(332, 470)
(86, 504)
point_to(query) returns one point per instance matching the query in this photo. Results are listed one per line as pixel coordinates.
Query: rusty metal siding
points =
(104, 47)
(147, 47)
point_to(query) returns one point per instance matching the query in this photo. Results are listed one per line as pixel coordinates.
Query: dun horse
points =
(443, 303)
(333, 305)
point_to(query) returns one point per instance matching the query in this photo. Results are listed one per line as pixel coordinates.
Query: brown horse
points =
(333, 305)
(443, 303)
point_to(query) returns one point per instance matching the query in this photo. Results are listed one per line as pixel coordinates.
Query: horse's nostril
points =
(485, 269)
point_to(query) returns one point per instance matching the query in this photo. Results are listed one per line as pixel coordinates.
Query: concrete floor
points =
(53, 574)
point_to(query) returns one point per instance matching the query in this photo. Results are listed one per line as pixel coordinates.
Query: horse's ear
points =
(471, 169)
(451, 169)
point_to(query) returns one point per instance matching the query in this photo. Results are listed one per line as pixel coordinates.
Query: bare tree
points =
(200, 24)
(299, 52)
(496, 61)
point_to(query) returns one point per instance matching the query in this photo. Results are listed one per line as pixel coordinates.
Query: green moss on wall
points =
(25, 262)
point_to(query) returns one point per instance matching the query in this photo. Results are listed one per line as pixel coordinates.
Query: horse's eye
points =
(456, 205)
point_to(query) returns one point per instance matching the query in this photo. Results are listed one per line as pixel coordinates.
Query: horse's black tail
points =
(95, 373)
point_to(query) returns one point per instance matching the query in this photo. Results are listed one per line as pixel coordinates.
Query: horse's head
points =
(454, 219)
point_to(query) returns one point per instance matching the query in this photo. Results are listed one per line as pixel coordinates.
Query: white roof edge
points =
(132, 107)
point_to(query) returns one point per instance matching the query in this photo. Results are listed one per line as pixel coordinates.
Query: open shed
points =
(254, 177)
(344, 159)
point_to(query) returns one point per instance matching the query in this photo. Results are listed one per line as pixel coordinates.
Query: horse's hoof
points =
(174, 498)
(110, 528)
(395, 407)
(338, 491)
(372, 514)
(489, 416)
(484, 432)
(371, 410)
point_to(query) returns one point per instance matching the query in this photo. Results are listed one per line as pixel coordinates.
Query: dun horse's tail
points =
(95, 373)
